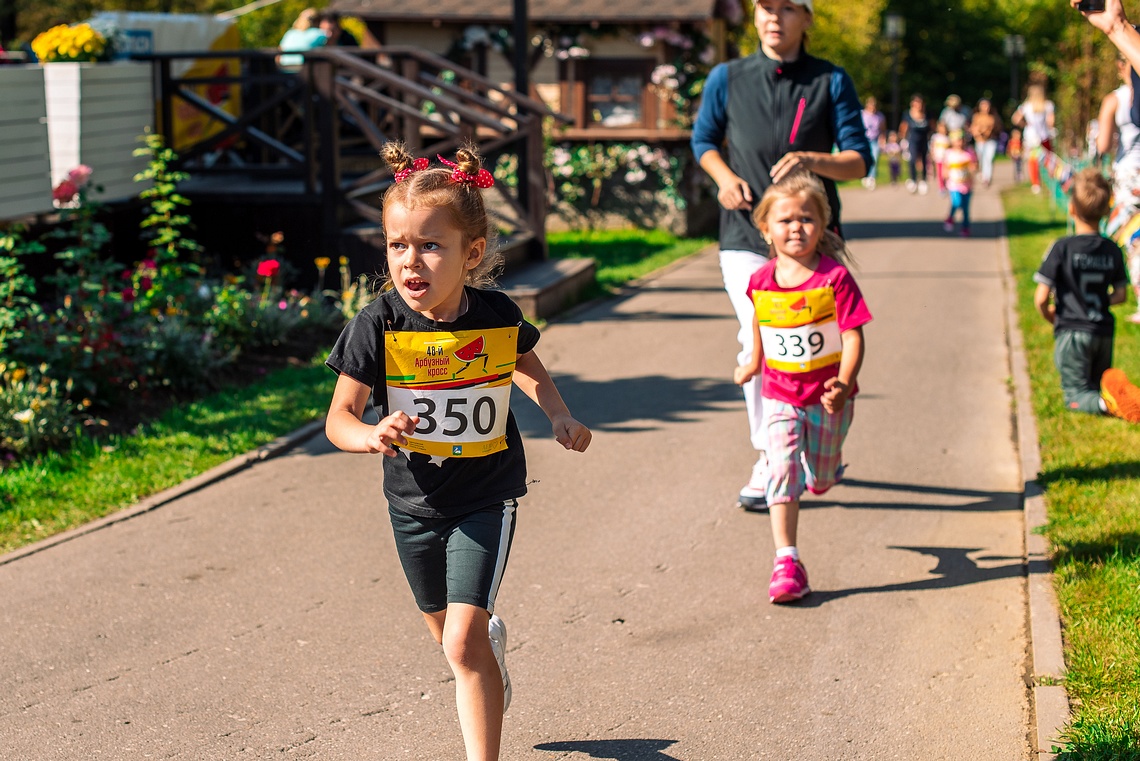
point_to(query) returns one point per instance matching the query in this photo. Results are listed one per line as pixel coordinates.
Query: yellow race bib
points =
(798, 329)
(459, 384)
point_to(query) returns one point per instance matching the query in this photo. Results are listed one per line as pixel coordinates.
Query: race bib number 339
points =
(798, 329)
(458, 384)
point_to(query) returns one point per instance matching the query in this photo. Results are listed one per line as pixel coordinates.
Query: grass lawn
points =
(623, 255)
(95, 478)
(1091, 477)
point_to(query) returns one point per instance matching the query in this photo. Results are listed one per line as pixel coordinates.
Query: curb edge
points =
(1051, 701)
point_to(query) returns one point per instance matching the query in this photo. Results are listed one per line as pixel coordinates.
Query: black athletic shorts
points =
(458, 559)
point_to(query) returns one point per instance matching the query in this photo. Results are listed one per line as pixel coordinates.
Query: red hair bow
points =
(417, 165)
(481, 179)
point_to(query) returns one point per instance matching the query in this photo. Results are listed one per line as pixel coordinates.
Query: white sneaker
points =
(922, 188)
(910, 186)
(754, 495)
(497, 631)
(871, 183)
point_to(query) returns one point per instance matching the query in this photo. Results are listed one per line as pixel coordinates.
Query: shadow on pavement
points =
(954, 569)
(626, 405)
(854, 231)
(617, 750)
(986, 501)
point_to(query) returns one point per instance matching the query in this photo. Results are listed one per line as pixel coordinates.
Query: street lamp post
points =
(1014, 50)
(894, 27)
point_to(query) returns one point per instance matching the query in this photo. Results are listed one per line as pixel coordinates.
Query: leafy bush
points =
(36, 413)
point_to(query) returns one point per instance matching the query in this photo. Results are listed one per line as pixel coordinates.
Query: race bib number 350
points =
(798, 329)
(458, 384)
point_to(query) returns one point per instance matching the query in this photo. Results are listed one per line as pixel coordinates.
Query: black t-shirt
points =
(1080, 270)
(917, 132)
(412, 483)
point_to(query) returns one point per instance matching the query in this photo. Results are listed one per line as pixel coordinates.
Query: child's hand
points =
(742, 375)
(836, 395)
(391, 430)
(570, 433)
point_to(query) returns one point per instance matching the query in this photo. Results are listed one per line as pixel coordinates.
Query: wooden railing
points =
(318, 130)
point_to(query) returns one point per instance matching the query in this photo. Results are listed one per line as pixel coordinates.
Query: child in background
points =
(939, 143)
(808, 348)
(1015, 153)
(1084, 275)
(894, 152)
(959, 164)
(437, 353)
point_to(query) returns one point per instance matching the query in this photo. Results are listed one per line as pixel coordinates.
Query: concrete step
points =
(542, 289)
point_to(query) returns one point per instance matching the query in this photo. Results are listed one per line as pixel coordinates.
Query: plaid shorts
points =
(805, 448)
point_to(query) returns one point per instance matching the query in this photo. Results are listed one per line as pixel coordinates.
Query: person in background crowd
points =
(985, 126)
(1036, 118)
(304, 35)
(337, 35)
(914, 130)
(894, 156)
(1016, 155)
(875, 125)
(954, 115)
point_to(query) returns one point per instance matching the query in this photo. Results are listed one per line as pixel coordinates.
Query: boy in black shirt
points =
(1085, 275)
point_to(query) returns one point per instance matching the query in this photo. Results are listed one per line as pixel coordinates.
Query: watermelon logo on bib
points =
(471, 352)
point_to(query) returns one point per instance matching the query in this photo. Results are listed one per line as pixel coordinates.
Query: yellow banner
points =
(458, 384)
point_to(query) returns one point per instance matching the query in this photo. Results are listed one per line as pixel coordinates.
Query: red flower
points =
(145, 283)
(65, 191)
(128, 295)
(268, 268)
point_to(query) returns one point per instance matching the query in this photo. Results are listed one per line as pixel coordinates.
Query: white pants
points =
(737, 267)
(987, 149)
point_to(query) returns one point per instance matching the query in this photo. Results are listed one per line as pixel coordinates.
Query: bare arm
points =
(839, 388)
(1114, 23)
(1118, 296)
(531, 376)
(1044, 305)
(348, 432)
(1107, 121)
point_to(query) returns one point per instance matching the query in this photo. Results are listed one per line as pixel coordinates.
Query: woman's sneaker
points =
(754, 496)
(789, 581)
(497, 631)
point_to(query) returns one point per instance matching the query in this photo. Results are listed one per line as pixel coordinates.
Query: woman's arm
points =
(531, 376)
(845, 165)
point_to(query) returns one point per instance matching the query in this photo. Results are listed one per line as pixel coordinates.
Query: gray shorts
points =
(458, 559)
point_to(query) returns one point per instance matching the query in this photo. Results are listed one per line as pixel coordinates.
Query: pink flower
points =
(268, 268)
(282, 304)
(148, 264)
(145, 283)
(65, 191)
(80, 175)
(128, 295)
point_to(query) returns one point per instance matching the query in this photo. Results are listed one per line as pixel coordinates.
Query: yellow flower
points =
(344, 261)
(19, 374)
(322, 262)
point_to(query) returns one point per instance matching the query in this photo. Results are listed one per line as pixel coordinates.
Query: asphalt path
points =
(266, 616)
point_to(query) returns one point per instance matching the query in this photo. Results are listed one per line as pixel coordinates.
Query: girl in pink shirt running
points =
(808, 331)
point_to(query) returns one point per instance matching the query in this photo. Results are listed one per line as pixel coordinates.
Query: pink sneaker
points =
(789, 581)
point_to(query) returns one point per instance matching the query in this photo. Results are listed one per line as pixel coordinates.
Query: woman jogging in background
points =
(761, 118)
(914, 131)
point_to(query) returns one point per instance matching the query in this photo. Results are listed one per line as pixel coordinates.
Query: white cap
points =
(806, 4)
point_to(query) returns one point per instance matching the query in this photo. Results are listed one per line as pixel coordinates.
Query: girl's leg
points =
(989, 151)
(823, 453)
(964, 203)
(786, 438)
(478, 681)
